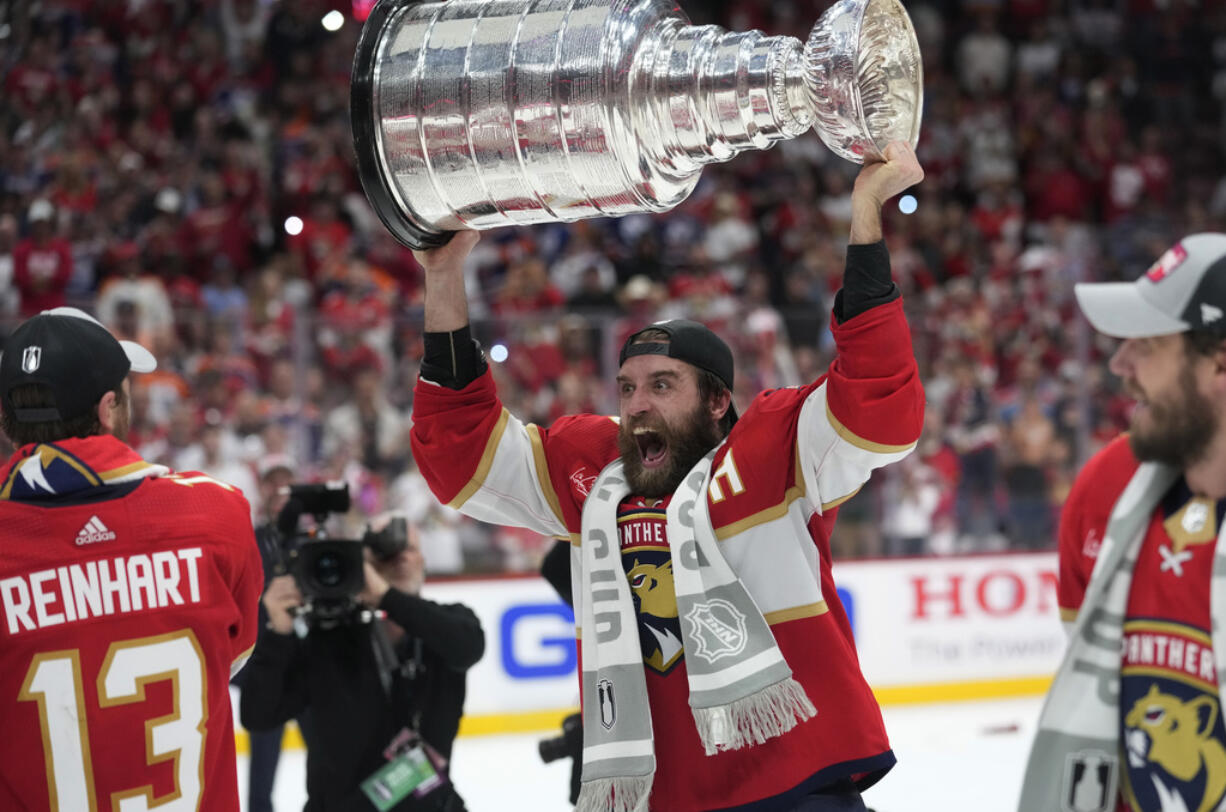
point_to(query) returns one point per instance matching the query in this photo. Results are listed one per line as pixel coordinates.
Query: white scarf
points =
(1074, 763)
(741, 689)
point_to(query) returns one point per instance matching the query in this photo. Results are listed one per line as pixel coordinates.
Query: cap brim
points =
(141, 359)
(1117, 309)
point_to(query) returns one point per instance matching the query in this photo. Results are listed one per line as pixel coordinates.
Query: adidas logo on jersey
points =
(94, 531)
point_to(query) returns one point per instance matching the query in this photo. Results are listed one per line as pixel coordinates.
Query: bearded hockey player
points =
(1133, 721)
(718, 666)
(128, 594)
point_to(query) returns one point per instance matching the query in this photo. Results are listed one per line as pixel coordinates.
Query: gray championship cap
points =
(1184, 290)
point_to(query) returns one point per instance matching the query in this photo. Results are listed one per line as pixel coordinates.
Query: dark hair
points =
(651, 335)
(37, 396)
(1202, 342)
(710, 385)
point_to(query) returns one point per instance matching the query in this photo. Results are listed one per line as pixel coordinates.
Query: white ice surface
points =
(959, 757)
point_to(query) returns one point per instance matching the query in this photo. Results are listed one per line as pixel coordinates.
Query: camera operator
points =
(276, 472)
(368, 685)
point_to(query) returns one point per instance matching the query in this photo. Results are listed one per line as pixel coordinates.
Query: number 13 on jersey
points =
(55, 682)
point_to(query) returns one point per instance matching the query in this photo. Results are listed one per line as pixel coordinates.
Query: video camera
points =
(569, 743)
(330, 571)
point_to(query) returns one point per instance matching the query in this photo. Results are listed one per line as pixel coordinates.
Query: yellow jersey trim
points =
(860, 442)
(483, 467)
(796, 613)
(542, 472)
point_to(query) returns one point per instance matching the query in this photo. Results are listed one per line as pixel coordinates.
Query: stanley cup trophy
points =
(476, 114)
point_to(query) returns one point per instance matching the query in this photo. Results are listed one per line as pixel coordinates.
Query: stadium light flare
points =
(333, 20)
(498, 353)
(293, 226)
(907, 204)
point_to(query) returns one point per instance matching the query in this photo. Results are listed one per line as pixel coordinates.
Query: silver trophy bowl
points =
(477, 114)
(866, 77)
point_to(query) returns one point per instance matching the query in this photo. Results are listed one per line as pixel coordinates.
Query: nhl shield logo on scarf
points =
(719, 629)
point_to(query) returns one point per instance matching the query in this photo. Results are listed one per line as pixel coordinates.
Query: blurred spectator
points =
(10, 299)
(911, 496)
(437, 524)
(1028, 449)
(144, 292)
(218, 453)
(583, 267)
(731, 238)
(527, 289)
(153, 157)
(367, 425)
(984, 56)
(974, 434)
(42, 261)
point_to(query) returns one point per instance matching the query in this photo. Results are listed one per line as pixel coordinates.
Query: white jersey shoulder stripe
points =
(836, 462)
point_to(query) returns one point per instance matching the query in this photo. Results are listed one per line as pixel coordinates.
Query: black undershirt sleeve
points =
(866, 281)
(454, 359)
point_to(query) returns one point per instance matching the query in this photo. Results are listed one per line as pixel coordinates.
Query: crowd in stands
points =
(184, 169)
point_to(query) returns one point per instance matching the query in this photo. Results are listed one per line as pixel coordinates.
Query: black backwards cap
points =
(72, 354)
(688, 341)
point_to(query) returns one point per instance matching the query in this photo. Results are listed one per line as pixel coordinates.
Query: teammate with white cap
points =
(1134, 714)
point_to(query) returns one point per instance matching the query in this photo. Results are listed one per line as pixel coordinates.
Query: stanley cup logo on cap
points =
(31, 359)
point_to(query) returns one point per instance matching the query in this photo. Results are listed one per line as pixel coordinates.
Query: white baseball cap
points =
(1184, 290)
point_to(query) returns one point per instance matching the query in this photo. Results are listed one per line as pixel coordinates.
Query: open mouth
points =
(653, 448)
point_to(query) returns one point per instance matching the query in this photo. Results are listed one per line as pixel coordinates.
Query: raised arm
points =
(869, 409)
(475, 456)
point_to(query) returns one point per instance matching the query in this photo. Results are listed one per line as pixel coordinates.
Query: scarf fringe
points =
(753, 719)
(614, 795)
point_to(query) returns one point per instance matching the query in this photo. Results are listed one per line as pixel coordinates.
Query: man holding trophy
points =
(720, 661)
(718, 666)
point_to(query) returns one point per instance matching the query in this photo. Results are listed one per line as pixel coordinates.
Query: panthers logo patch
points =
(655, 602)
(649, 569)
(1172, 731)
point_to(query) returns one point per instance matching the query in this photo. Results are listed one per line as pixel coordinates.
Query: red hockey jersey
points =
(127, 595)
(775, 485)
(1172, 739)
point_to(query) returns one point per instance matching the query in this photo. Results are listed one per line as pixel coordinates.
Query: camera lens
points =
(553, 749)
(329, 569)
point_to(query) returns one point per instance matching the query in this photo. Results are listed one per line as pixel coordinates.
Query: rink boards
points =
(927, 630)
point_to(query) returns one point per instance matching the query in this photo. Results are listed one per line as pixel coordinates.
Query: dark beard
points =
(1181, 431)
(687, 444)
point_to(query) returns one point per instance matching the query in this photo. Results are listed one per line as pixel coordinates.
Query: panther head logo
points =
(1177, 735)
(652, 585)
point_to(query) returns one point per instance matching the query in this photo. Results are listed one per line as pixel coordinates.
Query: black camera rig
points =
(330, 571)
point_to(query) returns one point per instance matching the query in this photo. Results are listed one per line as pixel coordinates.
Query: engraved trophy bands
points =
(475, 114)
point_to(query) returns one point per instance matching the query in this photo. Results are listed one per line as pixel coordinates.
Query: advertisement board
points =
(966, 620)
(926, 629)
